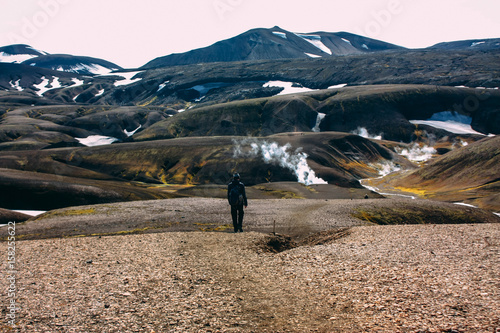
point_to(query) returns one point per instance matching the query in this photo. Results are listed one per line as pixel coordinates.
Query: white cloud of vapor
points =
(284, 156)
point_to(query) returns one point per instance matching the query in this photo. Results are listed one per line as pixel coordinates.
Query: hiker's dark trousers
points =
(237, 214)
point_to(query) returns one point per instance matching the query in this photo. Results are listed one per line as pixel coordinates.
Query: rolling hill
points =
(344, 107)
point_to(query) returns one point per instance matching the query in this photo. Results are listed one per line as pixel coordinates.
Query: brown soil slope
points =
(470, 174)
(338, 158)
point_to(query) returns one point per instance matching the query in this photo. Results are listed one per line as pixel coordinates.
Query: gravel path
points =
(419, 278)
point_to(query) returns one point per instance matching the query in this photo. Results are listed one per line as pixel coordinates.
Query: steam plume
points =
(272, 153)
(363, 132)
(417, 153)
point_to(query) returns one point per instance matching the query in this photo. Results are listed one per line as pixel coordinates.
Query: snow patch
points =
(280, 34)
(477, 43)
(42, 86)
(464, 204)
(15, 58)
(47, 85)
(347, 41)
(31, 212)
(342, 85)
(450, 121)
(312, 55)
(16, 85)
(100, 93)
(365, 46)
(287, 87)
(96, 140)
(56, 84)
(163, 85)
(319, 119)
(127, 78)
(129, 134)
(494, 88)
(77, 82)
(316, 41)
(90, 68)
(450, 126)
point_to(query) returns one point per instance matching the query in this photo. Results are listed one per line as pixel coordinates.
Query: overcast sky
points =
(133, 32)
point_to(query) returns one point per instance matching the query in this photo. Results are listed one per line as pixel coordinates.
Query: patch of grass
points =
(71, 212)
(414, 215)
(420, 192)
(146, 103)
(213, 227)
(223, 227)
(20, 237)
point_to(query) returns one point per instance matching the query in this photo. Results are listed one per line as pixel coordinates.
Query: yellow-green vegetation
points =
(419, 192)
(146, 103)
(69, 212)
(414, 215)
(21, 237)
(213, 227)
(310, 189)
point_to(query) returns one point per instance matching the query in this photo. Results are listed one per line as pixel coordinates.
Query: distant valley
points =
(78, 130)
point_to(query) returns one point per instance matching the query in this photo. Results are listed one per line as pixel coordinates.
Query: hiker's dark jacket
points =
(242, 191)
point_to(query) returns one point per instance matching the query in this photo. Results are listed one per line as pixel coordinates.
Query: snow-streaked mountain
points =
(34, 80)
(276, 43)
(73, 64)
(287, 62)
(471, 44)
(27, 55)
(18, 53)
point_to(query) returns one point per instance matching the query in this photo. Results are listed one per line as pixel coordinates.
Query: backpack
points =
(235, 196)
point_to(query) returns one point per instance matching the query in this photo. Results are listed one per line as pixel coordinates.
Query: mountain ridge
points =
(275, 43)
(255, 44)
(73, 64)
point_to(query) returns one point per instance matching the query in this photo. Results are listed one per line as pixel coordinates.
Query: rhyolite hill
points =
(178, 119)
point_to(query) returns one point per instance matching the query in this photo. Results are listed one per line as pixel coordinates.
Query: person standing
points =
(237, 198)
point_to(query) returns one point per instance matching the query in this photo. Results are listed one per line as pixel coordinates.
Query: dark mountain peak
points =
(21, 49)
(484, 44)
(73, 64)
(18, 53)
(274, 44)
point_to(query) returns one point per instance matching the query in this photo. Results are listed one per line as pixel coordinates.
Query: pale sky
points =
(133, 32)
